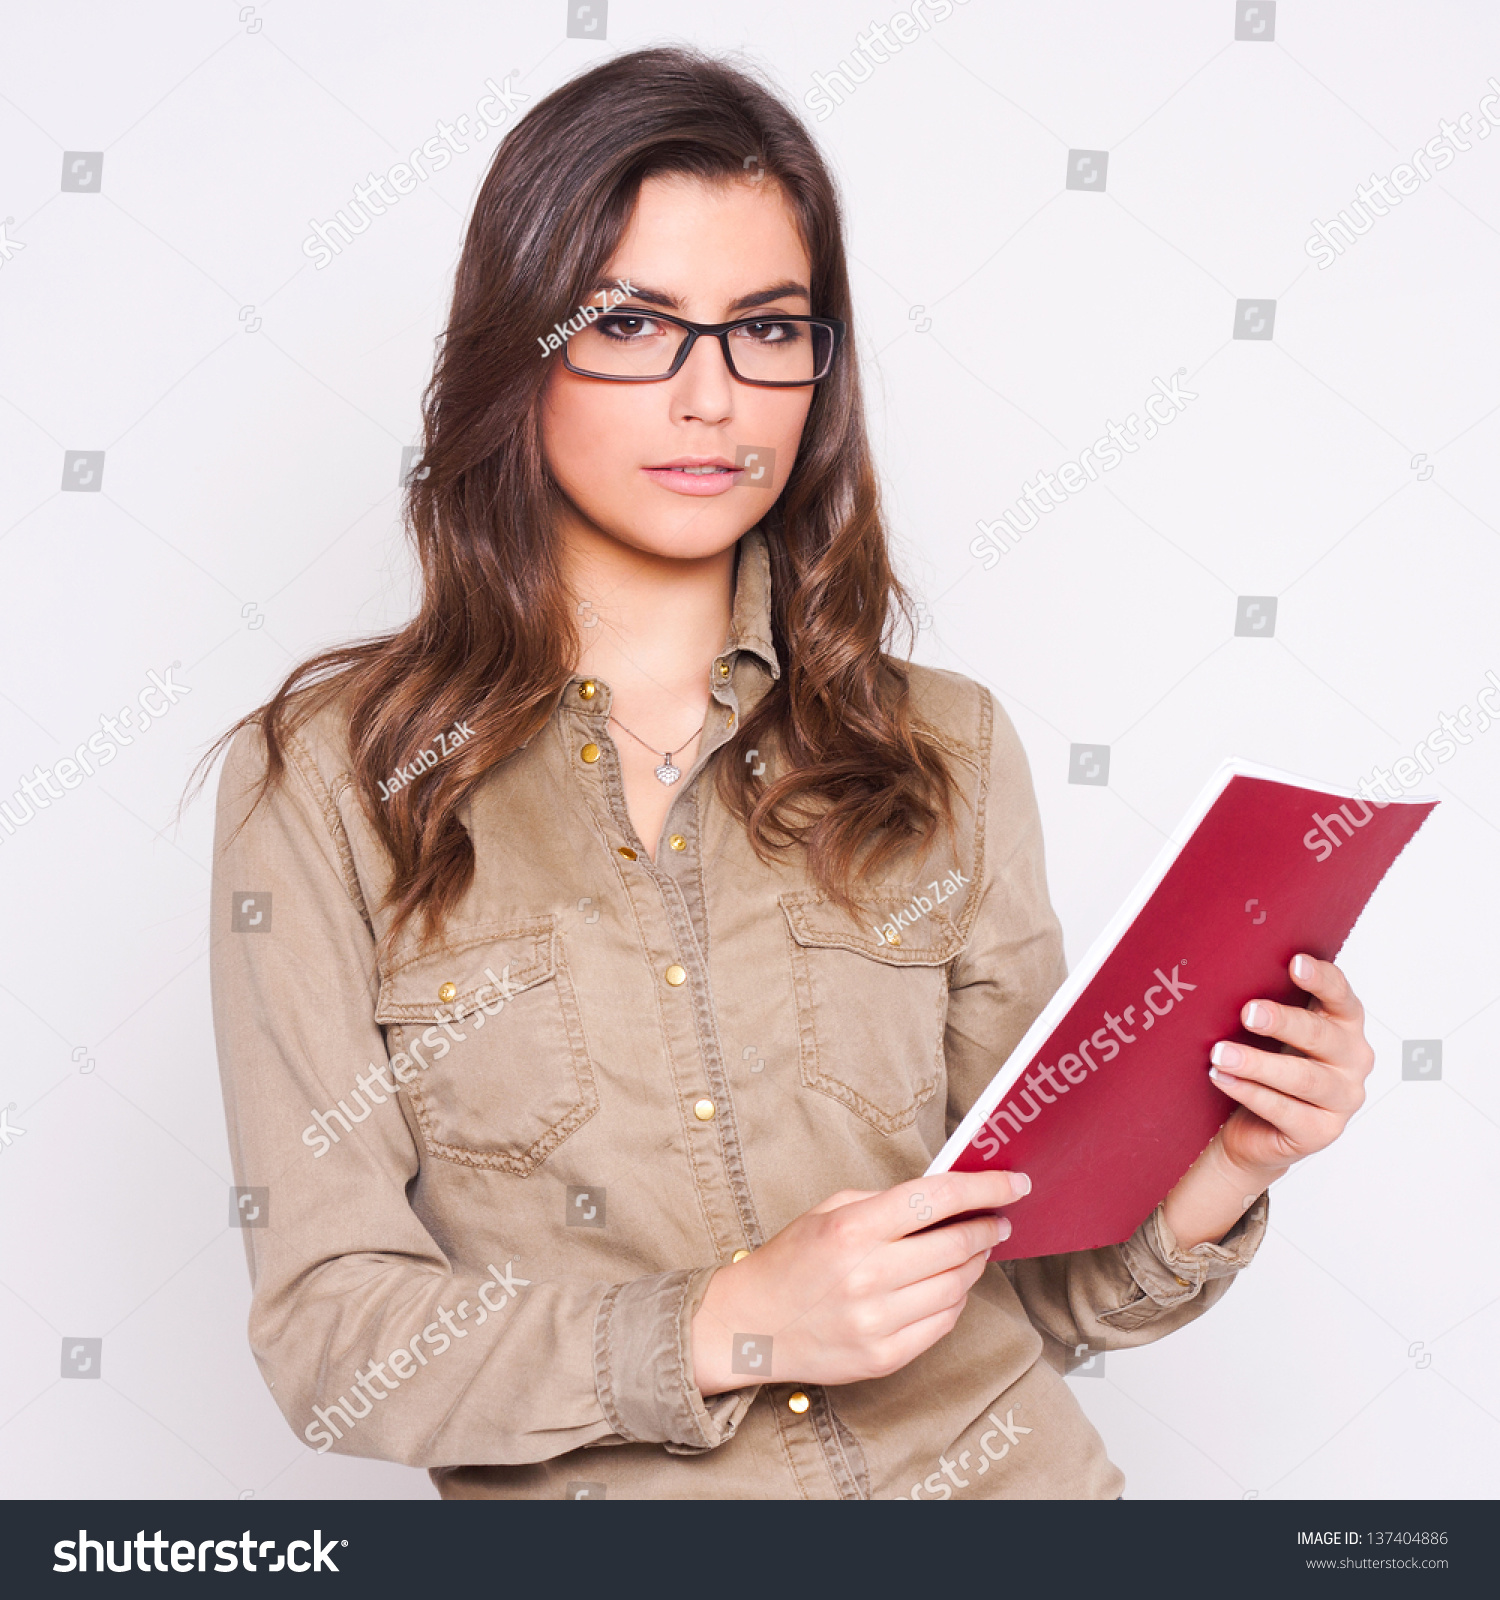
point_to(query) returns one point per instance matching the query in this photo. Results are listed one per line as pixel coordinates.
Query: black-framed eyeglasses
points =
(634, 345)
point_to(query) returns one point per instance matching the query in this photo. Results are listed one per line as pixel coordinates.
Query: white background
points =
(249, 514)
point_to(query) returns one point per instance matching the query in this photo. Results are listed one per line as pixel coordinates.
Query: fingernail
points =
(1256, 1016)
(1302, 967)
(1221, 1077)
(1225, 1054)
(1004, 1229)
(1020, 1183)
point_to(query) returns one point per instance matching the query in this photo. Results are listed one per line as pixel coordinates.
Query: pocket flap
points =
(928, 938)
(482, 964)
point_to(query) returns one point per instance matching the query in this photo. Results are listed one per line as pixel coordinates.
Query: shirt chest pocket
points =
(487, 1041)
(870, 1014)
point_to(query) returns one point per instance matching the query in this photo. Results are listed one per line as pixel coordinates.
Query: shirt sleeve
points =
(370, 1339)
(1132, 1293)
(1011, 964)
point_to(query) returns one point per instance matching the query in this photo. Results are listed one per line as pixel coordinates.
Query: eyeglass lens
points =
(633, 344)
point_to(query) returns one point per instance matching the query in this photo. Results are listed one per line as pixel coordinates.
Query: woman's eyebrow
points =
(787, 290)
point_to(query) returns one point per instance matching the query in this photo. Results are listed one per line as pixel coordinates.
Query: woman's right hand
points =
(852, 1289)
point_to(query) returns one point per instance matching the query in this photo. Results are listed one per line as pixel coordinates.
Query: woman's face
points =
(710, 253)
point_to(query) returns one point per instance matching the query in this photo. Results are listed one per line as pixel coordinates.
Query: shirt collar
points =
(749, 622)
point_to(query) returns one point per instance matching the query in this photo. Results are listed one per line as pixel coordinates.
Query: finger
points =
(1300, 1128)
(886, 1267)
(916, 1302)
(1323, 1034)
(1328, 985)
(909, 1207)
(924, 1255)
(1303, 1078)
(1315, 1033)
(905, 1346)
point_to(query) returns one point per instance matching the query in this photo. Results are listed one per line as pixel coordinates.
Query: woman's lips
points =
(680, 480)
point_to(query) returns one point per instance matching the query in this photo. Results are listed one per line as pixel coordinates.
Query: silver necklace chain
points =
(668, 772)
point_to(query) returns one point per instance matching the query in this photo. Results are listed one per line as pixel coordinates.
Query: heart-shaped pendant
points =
(668, 773)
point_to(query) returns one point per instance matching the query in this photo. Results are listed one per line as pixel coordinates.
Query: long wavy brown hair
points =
(856, 782)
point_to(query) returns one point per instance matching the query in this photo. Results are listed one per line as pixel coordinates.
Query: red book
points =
(1107, 1100)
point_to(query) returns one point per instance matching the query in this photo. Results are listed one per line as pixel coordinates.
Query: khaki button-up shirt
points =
(495, 1176)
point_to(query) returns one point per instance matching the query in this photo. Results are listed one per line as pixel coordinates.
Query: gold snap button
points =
(737, 1257)
(675, 975)
(590, 753)
(677, 842)
(447, 992)
(627, 852)
(1182, 1281)
(587, 689)
(723, 669)
(798, 1402)
(704, 1111)
(893, 937)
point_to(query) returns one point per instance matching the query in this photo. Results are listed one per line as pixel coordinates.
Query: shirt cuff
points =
(643, 1366)
(1169, 1274)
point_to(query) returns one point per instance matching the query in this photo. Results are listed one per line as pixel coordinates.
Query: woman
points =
(552, 1009)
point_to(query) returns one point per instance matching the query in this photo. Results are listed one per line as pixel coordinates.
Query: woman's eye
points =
(771, 332)
(626, 328)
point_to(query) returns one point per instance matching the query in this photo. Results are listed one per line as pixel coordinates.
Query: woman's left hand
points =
(1291, 1102)
(1294, 1102)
